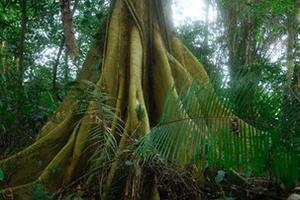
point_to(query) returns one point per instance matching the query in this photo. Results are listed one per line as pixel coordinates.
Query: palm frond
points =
(101, 138)
(204, 129)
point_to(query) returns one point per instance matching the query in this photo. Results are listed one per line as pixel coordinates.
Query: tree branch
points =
(68, 27)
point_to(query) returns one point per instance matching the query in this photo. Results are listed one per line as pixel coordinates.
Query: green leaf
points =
(140, 111)
(226, 130)
(87, 4)
(70, 197)
(78, 198)
(2, 176)
(220, 176)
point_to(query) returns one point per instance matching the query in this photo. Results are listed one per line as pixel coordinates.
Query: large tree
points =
(142, 60)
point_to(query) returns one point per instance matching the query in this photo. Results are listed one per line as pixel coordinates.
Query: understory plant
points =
(205, 130)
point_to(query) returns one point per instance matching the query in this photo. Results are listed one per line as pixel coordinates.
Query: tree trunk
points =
(54, 69)
(18, 122)
(142, 60)
(239, 35)
(67, 19)
(66, 68)
(297, 67)
(207, 13)
(59, 53)
(291, 41)
(3, 52)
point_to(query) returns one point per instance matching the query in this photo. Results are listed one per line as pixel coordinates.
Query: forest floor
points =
(180, 181)
(260, 188)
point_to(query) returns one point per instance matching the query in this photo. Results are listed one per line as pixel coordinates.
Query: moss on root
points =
(130, 58)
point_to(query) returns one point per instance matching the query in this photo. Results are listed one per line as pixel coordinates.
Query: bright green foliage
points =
(203, 129)
(252, 126)
(42, 41)
(38, 105)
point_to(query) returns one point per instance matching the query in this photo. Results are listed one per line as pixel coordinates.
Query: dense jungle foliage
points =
(233, 136)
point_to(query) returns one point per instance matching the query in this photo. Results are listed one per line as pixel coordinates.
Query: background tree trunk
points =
(297, 67)
(291, 44)
(61, 46)
(54, 69)
(67, 19)
(3, 52)
(142, 60)
(23, 21)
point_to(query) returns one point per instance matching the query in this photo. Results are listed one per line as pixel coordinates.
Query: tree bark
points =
(67, 20)
(61, 46)
(239, 35)
(142, 60)
(298, 50)
(54, 69)
(207, 13)
(3, 52)
(66, 68)
(291, 41)
(21, 67)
